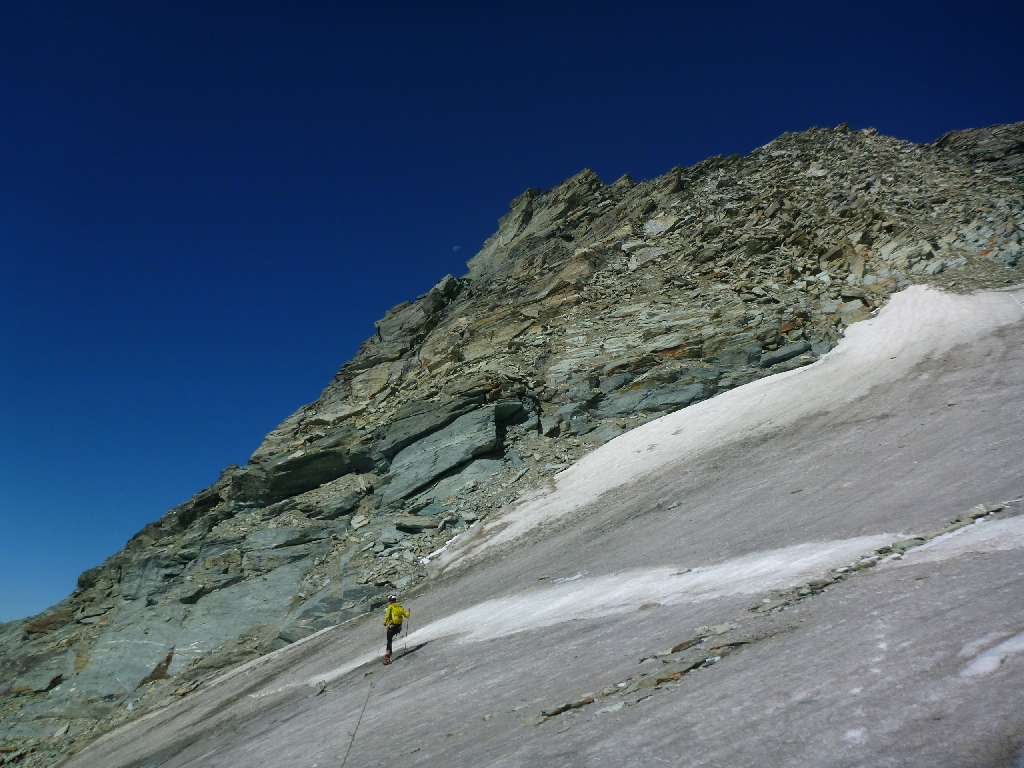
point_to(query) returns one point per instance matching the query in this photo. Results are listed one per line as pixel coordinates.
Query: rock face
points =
(430, 457)
(593, 309)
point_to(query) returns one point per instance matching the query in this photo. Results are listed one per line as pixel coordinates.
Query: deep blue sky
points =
(204, 206)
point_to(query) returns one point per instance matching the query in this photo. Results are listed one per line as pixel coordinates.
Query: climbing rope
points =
(360, 720)
(356, 730)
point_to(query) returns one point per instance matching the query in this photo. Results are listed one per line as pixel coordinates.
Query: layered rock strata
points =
(593, 309)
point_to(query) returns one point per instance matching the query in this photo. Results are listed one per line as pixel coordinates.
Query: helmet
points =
(392, 598)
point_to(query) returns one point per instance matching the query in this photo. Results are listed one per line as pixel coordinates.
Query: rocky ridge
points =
(593, 309)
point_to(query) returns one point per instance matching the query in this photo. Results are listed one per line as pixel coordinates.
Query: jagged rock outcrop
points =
(592, 309)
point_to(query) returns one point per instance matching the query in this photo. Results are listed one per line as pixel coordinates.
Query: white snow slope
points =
(674, 532)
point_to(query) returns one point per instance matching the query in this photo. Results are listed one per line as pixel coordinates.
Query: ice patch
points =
(984, 535)
(991, 659)
(442, 549)
(574, 577)
(973, 648)
(854, 736)
(334, 674)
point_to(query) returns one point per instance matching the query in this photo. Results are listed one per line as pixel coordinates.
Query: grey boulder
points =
(149, 576)
(748, 354)
(666, 397)
(480, 470)
(420, 463)
(782, 354)
(339, 453)
(417, 419)
(416, 523)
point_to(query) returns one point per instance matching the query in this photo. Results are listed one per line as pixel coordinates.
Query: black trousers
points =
(393, 630)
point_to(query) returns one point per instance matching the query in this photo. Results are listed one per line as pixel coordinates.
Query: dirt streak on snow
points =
(916, 324)
(590, 598)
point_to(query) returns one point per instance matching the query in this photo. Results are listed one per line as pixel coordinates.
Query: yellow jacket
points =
(394, 614)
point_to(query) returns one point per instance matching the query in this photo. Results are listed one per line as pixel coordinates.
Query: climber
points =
(393, 621)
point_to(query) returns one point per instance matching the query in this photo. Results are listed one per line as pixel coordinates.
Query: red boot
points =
(387, 658)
